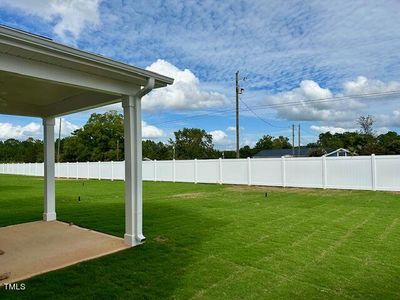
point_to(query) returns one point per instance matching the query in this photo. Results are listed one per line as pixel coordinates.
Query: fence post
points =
(112, 171)
(173, 170)
(220, 170)
(248, 171)
(195, 170)
(88, 170)
(67, 169)
(283, 170)
(373, 172)
(77, 170)
(324, 172)
(155, 170)
(99, 165)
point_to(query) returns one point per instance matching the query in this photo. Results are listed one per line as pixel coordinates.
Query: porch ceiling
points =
(21, 95)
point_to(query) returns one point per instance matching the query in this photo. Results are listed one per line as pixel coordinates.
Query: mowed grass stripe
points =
(221, 242)
(277, 256)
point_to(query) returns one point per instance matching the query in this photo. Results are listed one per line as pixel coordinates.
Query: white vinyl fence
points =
(351, 172)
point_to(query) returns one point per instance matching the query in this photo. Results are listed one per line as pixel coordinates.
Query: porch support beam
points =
(49, 170)
(133, 175)
(133, 165)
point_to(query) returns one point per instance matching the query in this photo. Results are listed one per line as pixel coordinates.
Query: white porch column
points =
(49, 170)
(133, 170)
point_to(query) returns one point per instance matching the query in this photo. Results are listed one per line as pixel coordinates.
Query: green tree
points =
(281, 142)
(264, 143)
(193, 143)
(246, 151)
(389, 142)
(98, 140)
(153, 150)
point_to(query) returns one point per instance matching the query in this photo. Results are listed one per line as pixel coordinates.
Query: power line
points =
(238, 91)
(279, 105)
(260, 118)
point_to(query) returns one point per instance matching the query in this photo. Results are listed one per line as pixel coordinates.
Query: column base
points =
(49, 216)
(133, 241)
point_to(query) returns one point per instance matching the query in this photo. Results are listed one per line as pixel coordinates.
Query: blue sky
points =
(289, 52)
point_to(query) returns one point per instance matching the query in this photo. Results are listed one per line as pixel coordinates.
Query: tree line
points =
(102, 139)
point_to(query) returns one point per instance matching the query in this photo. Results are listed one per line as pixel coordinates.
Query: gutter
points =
(41, 45)
(151, 82)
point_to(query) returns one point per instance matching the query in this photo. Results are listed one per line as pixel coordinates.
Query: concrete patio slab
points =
(34, 248)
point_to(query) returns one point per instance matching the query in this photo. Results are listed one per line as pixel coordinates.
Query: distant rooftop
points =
(304, 151)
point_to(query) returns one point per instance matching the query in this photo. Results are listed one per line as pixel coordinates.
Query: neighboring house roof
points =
(304, 151)
(339, 152)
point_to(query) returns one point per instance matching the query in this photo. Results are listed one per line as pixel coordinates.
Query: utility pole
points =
(117, 150)
(237, 114)
(59, 141)
(292, 139)
(299, 139)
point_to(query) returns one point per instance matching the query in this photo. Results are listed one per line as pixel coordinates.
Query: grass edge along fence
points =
(375, 172)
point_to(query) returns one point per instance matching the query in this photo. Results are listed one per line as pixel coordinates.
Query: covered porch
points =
(40, 78)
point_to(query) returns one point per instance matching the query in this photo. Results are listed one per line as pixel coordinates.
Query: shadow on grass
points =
(13, 188)
(152, 270)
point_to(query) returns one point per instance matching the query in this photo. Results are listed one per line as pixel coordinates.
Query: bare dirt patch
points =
(193, 195)
(161, 239)
(257, 188)
(304, 191)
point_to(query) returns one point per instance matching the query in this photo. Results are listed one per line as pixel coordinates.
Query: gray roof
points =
(304, 151)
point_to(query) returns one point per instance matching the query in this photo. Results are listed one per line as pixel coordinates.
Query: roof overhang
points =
(39, 77)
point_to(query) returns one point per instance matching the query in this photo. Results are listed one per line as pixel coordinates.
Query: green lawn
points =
(219, 241)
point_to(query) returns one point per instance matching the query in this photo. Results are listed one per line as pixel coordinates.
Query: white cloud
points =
(69, 16)
(331, 129)
(363, 85)
(150, 131)
(35, 130)
(231, 129)
(8, 131)
(218, 136)
(184, 93)
(66, 127)
(345, 109)
(396, 118)
(248, 142)
(310, 111)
